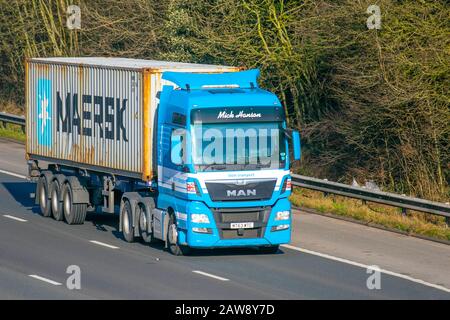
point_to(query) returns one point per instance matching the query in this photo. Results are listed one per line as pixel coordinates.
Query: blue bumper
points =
(213, 240)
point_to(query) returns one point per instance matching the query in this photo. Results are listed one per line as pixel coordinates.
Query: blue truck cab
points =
(195, 155)
(222, 150)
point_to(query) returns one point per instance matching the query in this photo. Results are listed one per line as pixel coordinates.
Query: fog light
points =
(202, 230)
(282, 215)
(199, 218)
(280, 227)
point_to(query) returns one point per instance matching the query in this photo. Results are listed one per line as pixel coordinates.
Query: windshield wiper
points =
(213, 166)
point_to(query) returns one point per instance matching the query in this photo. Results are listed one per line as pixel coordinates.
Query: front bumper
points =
(222, 236)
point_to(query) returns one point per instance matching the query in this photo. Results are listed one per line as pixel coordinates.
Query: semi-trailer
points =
(194, 155)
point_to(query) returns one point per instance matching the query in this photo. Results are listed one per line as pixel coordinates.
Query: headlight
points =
(282, 215)
(199, 218)
(191, 188)
(287, 185)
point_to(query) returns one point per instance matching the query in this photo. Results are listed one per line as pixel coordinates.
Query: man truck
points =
(194, 155)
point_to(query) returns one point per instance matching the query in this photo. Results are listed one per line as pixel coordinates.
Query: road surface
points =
(327, 258)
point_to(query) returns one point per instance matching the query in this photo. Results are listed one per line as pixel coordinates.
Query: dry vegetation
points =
(370, 104)
(414, 223)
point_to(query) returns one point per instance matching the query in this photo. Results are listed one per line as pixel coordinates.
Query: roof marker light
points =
(220, 86)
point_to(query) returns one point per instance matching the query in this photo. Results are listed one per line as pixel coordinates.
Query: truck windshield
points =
(238, 146)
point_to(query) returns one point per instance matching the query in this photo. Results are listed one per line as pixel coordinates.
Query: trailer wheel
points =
(142, 216)
(127, 222)
(57, 207)
(74, 213)
(172, 239)
(269, 249)
(44, 197)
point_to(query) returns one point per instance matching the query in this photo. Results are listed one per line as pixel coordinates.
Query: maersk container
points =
(97, 113)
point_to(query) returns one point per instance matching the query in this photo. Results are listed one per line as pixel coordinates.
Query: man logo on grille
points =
(241, 193)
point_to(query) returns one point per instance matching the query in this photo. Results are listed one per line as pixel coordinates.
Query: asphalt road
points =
(315, 268)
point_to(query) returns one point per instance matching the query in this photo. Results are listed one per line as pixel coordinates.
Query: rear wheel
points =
(44, 197)
(127, 222)
(57, 207)
(172, 239)
(74, 213)
(269, 249)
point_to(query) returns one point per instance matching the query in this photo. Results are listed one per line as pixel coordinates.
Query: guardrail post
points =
(404, 212)
(447, 221)
(23, 129)
(2, 124)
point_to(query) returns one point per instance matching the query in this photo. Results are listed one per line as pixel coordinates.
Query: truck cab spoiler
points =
(197, 81)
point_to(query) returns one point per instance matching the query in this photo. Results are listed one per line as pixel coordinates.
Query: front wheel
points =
(172, 239)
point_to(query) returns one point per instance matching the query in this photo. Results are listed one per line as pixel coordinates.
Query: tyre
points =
(44, 197)
(56, 203)
(269, 249)
(74, 213)
(127, 222)
(172, 239)
(145, 235)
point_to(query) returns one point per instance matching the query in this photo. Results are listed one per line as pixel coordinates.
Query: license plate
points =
(241, 225)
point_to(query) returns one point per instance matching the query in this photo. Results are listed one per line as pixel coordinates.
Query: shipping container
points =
(97, 113)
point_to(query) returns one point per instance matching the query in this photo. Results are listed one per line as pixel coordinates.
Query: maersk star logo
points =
(44, 112)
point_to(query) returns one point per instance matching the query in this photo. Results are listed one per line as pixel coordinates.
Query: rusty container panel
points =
(90, 116)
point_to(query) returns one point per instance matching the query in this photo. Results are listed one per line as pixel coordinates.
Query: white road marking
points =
(211, 275)
(14, 218)
(13, 174)
(103, 244)
(45, 279)
(361, 265)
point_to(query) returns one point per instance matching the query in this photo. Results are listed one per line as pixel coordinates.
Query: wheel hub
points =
(54, 200)
(173, 234)
(126, 223)
(143, 221)
(67, 203)
(43, 197)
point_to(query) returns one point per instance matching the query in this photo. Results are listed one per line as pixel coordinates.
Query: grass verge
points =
(12, 131)
(414, 223)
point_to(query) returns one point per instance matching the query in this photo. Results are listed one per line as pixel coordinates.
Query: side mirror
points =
(296, 145)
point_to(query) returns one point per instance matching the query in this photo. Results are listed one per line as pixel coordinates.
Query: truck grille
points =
(241, 190)
(225, 216)
(240, 217)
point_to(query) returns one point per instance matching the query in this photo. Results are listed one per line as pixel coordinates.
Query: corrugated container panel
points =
(84, 114)
(89, 112)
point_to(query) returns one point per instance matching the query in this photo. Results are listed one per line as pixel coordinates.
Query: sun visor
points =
(191, 81)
